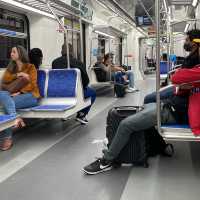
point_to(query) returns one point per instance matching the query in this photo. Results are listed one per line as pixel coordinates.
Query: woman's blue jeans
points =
(10, 104)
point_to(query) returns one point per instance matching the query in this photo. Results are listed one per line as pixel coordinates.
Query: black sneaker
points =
(98, 166)
(81, 118)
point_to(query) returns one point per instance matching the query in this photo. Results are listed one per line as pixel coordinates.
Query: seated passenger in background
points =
(114, 69)
(103, 72)
(140, 122)
(189, 62)
(19, 90)
(61, 63)
(35, 57)
(164, 57)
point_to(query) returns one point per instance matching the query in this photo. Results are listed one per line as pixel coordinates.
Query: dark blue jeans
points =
(88, 92)
(10, 104)
(118, 77)
(164, 93)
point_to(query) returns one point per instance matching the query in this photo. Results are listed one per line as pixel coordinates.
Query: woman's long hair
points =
(23, 57)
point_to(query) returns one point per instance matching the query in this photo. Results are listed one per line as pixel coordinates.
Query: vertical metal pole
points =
(157, 11)
(81, 39)
(124, 50)
(127, 51)
(91, 41)
(63, 28)
(168, 41)
(67, 46)
(109, 44)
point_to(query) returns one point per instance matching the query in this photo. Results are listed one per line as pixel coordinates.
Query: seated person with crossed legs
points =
(19, 90)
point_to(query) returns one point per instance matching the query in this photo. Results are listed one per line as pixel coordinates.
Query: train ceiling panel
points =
(110, 31)
(128, 5)
(59, 6)
(180, 2)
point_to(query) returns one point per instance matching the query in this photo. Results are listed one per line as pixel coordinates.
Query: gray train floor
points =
(46, 161)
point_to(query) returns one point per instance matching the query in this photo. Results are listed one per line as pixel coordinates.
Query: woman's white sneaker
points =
(130, 89)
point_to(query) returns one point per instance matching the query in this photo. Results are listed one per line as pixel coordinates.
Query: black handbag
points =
(16, 85)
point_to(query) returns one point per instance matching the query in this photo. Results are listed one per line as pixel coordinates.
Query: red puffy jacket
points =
(188, 76)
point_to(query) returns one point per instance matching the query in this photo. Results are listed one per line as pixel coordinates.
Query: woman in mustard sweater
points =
(26, 96)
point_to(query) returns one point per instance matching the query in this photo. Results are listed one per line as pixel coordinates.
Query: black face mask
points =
(187, 47)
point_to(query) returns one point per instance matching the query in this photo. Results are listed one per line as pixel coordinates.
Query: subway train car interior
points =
(99, 99)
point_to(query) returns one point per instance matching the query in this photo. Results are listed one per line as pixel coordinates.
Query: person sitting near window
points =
(19, 90)
(36, 56)
(114, 69)
(103, 72)
(61, 63)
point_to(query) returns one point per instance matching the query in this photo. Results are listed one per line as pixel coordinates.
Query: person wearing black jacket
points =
(61, 63)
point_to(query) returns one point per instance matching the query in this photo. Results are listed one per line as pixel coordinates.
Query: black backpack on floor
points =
(141, 145)
(120, 89)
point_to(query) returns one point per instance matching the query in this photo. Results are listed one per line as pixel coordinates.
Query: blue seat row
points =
(62, 94)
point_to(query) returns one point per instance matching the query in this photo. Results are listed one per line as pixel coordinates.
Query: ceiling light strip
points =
(26, 7)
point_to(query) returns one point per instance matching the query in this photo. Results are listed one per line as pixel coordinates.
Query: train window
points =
(116, 49)
(101, 45)
(13, 31)
(74, 36)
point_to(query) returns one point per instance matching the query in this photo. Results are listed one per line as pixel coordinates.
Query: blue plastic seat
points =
(6, 121)
(164, 67)
(52, 108)
(62, 83)
(176, 126)
(41, 80)
(6, 118)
